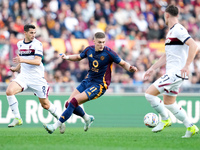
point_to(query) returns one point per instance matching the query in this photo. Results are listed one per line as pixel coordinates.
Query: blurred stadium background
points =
(135, 29)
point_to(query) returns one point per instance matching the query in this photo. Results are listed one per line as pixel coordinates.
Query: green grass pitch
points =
(20, 138)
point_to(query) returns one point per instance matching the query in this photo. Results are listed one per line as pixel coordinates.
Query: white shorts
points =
(169, 84)
(39, 86)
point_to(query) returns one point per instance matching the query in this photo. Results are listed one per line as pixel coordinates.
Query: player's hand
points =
(13, 69)
(148, 73)
(185, 72)
(17, 59)
(133, 69)
(63, 56)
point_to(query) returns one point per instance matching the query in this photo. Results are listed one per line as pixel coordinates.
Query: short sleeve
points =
(39, 49)
(115, 58)
(182, 34)
(83, 54)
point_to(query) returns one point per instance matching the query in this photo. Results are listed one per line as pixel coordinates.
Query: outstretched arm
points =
(75, 57)
(193, 48)
(158, 64)
(36, 61)
(127, 66)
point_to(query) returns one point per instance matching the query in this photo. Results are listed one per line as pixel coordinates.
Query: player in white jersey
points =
(31, 76)
(180, 50)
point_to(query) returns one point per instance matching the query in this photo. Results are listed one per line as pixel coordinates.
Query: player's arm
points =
(16, 68)
(75, 57)
(127, 66)
(158, 64)
(161, 61)
(193, 48)
(36, 61)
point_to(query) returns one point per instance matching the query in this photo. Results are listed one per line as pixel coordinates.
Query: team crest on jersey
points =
(102, 57)
(30, 46)
(20, 46)
(90, 55)
(167, 41)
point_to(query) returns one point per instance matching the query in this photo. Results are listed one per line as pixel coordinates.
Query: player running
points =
(180, 50)
(29, 59)
(96, 83)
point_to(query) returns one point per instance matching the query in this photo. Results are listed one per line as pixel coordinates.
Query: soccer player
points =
(96, 83)
(30, 52)
(180, 50)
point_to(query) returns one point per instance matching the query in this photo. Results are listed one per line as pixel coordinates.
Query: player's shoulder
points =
(179, 27)
(89, 48)
(20, 42)
(36, 41)
(109, 50)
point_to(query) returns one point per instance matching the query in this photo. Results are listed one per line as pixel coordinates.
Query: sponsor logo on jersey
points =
(167, 41)
(26, 52)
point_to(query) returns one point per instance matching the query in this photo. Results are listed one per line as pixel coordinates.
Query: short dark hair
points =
(172, 10)
(28, 26)
(99, 35)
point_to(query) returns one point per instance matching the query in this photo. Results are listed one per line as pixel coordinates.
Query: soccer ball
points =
(150, 120)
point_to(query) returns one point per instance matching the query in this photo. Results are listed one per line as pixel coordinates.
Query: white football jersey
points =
(29, 51)
(176, 49)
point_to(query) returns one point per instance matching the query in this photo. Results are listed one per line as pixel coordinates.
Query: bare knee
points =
(9, 92)
(13, 89)
(152, 90)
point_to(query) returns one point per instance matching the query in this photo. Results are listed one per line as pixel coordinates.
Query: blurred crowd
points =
(137, 20)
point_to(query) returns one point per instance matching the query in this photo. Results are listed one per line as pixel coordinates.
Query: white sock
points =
(158, 105)
(13, 103)
(86, 117)
(180, 114)
(53, 110)
(57, 124)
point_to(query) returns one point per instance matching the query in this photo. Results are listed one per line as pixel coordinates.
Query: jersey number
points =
(93, 89)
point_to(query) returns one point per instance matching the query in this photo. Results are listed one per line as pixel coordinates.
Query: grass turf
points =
(20, 138)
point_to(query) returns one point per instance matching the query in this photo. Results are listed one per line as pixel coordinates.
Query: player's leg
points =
(179, 113)
(78, 110)
(73, 103)
(12, 89)
(41, 89)
(46, 104)
(159, 86)
(92, 92)
(156, 103)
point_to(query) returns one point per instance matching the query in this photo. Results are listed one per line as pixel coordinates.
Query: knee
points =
(9, 92)
(74, 102)
(45, 106)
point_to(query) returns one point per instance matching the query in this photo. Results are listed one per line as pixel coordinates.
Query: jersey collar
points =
(26, 42)
(173, 26)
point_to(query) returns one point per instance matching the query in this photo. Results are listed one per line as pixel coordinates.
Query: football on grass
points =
(150, 120)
